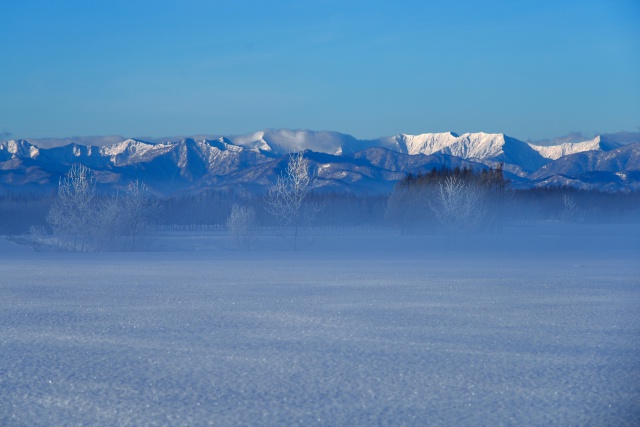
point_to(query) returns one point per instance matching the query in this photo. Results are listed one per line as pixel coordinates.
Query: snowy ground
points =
(320, 337)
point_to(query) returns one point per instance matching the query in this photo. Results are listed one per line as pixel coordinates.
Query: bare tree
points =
(72, 216)
(81, 221)
(458, 206)
(242, 225)
(570, 211)
(286, 198)
(139, 208)
(111, 223)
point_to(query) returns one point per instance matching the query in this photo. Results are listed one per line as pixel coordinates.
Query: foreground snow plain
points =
(322, 336)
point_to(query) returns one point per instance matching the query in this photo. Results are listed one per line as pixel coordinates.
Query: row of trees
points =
(286, 201)
(460, 200)
(81, 220)
(456, 201)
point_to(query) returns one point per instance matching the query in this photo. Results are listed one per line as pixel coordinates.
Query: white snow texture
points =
(333, 338)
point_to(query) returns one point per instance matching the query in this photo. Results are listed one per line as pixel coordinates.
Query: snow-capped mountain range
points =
(341, 162)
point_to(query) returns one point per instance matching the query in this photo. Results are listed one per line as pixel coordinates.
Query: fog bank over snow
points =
(320, 338)
(533, 325)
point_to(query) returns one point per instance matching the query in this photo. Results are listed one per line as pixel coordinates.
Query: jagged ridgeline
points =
(438, 182)
(341, 162)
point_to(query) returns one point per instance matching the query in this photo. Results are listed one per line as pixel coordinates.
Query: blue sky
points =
(531, 69)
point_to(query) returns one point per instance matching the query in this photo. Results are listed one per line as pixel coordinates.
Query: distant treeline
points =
(19, 211)
(457, 199)
(419, 203)
(331, 208)
(490, 179)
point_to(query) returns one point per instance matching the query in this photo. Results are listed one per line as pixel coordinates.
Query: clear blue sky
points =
(531, 69)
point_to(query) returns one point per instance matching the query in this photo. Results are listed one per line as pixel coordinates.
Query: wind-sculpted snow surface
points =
(319, 338)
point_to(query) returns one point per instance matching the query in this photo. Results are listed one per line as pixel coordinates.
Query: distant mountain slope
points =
(619, 161)
(253, 162)
(20, 149)
(497, 148)
(554, 152)
(426, 143)
(283, 141)
(376, 169)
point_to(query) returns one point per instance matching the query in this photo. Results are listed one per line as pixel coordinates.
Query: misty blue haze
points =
(530, 69)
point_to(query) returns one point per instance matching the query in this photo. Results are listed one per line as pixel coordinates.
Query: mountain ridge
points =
(355, 165)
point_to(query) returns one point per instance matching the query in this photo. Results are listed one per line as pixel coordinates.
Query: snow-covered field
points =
(320, 337)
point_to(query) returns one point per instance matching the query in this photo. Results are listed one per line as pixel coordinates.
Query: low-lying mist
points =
(446, 209)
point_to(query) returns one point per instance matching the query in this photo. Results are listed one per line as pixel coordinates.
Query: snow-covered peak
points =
(223, 144)
(19, 148)
(132, 150)
(253, 140)
(478, 145)
(208, 145)
(554, 152)
(284, 141)
(495, 147)
(128, 145)
(426, 143)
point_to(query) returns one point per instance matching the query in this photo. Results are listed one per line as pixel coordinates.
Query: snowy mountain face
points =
(496, 147)
(619, 165)
(280, 142)
(489, 149)
(341, 161)
(426, 143)
(20, 149)
(554, 152)
(131, 151)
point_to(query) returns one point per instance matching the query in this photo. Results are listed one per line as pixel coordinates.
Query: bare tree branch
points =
(242, 225)
(73, 214)
(459, 206)
(286, 198)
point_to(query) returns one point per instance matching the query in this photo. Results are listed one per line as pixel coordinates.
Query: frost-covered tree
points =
(242, 225)
(72, 216)
(126, 218)
(458, 205)
(110, 224)
(570, 211)
(457, 200)
(138, 210)
(286, 198)
(82, 221)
